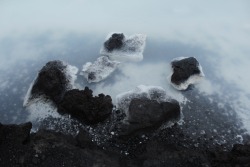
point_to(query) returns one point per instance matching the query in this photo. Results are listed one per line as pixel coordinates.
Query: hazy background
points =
(216, 32)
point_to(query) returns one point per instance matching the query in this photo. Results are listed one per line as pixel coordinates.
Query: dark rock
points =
(51, 81)
(49, 148)
(183, 69)
(18, 134)
(114, 42)
(84, 139)
(83, 106)
(145, 113)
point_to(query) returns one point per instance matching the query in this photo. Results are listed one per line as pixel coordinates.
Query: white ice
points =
(100, 69)
(132, 50)
(193, 79)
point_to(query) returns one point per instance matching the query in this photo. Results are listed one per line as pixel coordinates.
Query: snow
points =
(132, 50)
(99, 70)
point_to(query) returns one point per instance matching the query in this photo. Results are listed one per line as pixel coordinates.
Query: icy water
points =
(217, 34)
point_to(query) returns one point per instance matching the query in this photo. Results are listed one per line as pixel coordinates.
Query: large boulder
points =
(83, 106)
(144, 113)
(114, 42)
(186, 71)
(53, 80)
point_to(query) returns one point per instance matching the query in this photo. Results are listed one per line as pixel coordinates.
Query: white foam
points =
(151, 92)
(132, 50)
(193, 79)
(101, 69)
(70, 73)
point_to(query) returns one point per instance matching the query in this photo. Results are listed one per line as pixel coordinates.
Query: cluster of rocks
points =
(144, 109)
(116, 49)
(19, 147)
(54, 84)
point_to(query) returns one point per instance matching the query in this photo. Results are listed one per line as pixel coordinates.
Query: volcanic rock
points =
(52, 82)
(145, 113)
(83, 106)
(124, 48)
(114, 42)
(183, 70)
(18, 134)
(150, 92)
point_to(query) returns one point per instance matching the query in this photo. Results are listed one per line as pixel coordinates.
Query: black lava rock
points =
(17, 134)
(83, 106)
(183, 69)
(51, 82)
(49, 148)
(114, 42)
(145, 113)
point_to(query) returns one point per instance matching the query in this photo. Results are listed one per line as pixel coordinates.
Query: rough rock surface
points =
(114, 42)
(51, 82)
(48, 148)
(183, 69)
(82, 105)
(144, 113)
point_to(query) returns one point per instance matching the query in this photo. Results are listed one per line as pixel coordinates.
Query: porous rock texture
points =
(49, 148)
(83, 106)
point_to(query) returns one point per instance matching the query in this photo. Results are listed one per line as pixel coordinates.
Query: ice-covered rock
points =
(186, 71)
(124, 48)
(99, 70)
(144, 113)
(83, 106)
(151, 92)
(116, 41)
(53, 80)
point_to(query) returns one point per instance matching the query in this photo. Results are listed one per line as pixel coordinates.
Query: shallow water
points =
(217, 34)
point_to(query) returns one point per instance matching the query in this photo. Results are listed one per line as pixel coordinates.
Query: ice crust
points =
(151, 92)
(99, 70)
(193, 79)
(132, 50)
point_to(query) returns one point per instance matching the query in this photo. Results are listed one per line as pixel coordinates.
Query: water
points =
(217, 34)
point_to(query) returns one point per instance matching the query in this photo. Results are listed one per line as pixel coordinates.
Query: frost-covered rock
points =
(124, 48)
(52, 81)
(144, 113)
(116, 41)
(186, 71)
(83, 106)
(151, 92)
(99, 70)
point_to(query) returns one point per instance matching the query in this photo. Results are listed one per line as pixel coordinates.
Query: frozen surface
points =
(193, 79)
(132, 50)
(99, 70)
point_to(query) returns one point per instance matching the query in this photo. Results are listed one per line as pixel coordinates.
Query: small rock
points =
(186, 71)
